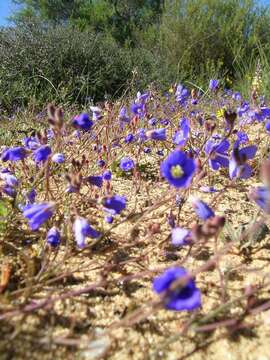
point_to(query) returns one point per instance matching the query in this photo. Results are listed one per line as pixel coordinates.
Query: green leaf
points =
(3, 209)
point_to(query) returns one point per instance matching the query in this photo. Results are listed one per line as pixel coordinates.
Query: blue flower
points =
(31, 143)
(238, 167)
(183, 297)
(101, 163)
(42, 153)
(181, 136)
(95, 180)
(37, 214)
(53, 237)
(181, 94)
(82, 230)
(178, 169)
(129, 138)
(157, 134)
(123, 115)
(126, 164)
(96, 112)
(115, 204)
(82, 122)
(58, 158)
(203, 211)
(180, 236)
(107, 175)
(14, 154)
(9, 190)
(9, 179)
(261, 196)
(213, 84)
(218, 154)
(109, 219)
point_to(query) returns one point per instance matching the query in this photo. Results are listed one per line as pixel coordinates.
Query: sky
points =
(6, 8)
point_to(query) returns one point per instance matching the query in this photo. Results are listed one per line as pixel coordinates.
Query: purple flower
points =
(9, 190)
(178, 169)
(213, 84)
(115, 204)
(37, 214)
(238, 167)
(82, 229)
(9, 179)
(181, 136)
(95, 180)
(180, 236)
(96, 112)
(58, 158)
(101, 163)
(109, 219)
(152, 122)
(53, 237)
(158, 134)
(261, 196)
(242, 138)
(31, 195)
(82, 122)
(129, 138)
(14, 154)
(203, 211)
(123, 115)
(218, 155)
(31, 143)
(126, 164)
(107, 175)
(181, 94)
(42, 153)
(184, 297)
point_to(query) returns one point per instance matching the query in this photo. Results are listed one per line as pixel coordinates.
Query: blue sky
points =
(6, 8)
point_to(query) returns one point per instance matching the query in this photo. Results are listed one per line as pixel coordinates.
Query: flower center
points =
(177, 171)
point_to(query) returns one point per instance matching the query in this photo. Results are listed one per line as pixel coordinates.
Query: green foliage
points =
(73, 50)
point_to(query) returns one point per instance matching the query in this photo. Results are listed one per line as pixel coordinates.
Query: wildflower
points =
(208, 189)
(158, 134)
(147, 150)
(82, 230)
(9, 190)
(101, 163)
(114, 204)
(181, 136)
(14, 154)
(126, 164)
(123, 115)
(95, 180)
(217, 153)
(42, 153)
(129, 138)
(180, 236)
(178, 169)
(31, 143)
(9, 179)
(53, 237)
(96, 112)
(203, 211)
(31, 195)
(82, 122)
(109, 219)
(261, 196)
(37, 214)
(181, 297)
(58, 158)
(181, 94)
(238, 167)
(164, 122)
(153, 121)
(213, 84)
(107, 175)
(160, 152)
